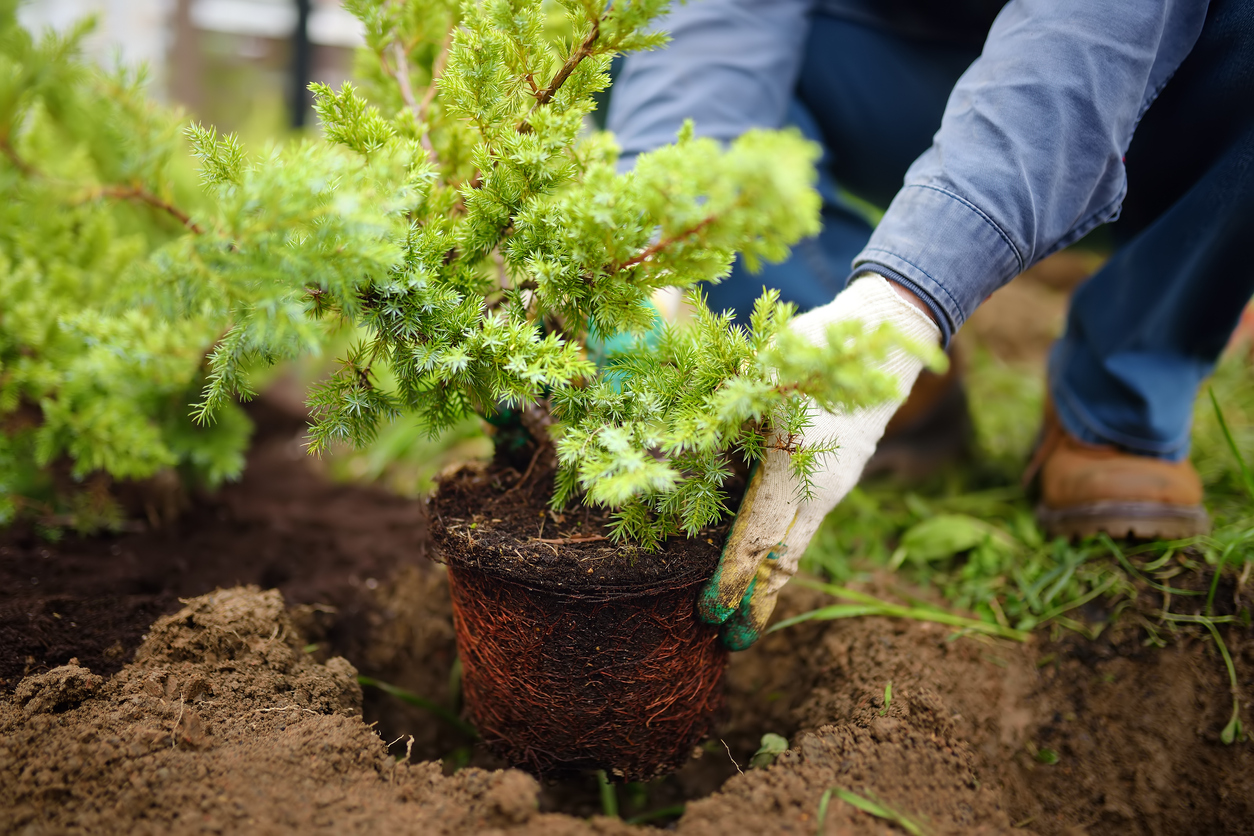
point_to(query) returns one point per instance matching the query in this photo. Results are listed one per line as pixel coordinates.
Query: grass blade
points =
(673, 811)
(1246, 475)
(825, 800)
(870, 605)
(831, 613)
(1136, 573)
(1233, 731)
(423, 703)
(878, 810)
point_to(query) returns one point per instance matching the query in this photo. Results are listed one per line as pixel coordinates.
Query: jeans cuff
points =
(1077, 420)
(946, 247)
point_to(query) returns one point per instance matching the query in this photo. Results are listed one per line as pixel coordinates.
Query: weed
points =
(867, 805)
(888, 698)
(870, 605)
(772, 746)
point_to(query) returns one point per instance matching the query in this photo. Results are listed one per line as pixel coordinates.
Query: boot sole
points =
(1120, 520)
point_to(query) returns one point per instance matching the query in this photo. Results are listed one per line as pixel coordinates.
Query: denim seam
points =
(1094, 220)
(1096, 429)
(960, 318)
(979, 212)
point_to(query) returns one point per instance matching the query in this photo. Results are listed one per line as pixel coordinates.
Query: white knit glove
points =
(774, 525)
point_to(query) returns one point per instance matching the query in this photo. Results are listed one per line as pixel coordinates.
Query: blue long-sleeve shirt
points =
(1029, 154)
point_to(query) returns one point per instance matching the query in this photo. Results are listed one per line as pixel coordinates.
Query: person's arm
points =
(731, 65)
(1029, 155)
(1028, 158)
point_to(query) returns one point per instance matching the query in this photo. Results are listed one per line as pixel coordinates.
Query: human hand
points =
(775, 523)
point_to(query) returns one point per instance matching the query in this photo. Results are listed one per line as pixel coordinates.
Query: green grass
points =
(970, 534)
(869, 805)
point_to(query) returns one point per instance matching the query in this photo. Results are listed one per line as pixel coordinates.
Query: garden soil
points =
(201, 678)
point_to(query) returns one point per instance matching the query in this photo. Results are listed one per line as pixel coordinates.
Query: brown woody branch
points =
(584, 50)
(137, 193)
(437, 69)
(9, 151)
(576, 58)
(144, 196)
(401, 73)
(654, 249)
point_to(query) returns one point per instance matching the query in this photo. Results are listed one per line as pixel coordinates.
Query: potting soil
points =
(577, 653)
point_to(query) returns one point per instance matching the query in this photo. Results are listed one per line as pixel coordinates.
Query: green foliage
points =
(461, 220)
(94, 383)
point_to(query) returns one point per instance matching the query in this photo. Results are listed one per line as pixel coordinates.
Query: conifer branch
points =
(437, 69)
(420, 109)
(9, 151)
(400, 72)
(584, 50)
(144, 196)
(654, 249)
(116, 192)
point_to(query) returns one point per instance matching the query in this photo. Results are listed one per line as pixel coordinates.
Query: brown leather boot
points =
(1090, 488)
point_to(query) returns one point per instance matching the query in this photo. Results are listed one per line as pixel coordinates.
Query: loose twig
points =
(526, 473)
(566, 541)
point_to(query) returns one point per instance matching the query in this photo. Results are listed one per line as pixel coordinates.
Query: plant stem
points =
(422, 702)
(609, 796)
(145, 196)
(584, 50)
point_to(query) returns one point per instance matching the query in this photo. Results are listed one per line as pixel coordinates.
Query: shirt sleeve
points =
(1029, 155)
(731, 65)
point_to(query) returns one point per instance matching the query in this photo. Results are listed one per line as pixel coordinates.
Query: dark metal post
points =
(302, 61)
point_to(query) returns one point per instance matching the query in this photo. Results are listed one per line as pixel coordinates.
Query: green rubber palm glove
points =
(774, 524)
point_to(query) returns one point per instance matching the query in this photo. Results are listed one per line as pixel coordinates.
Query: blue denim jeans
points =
(1146, 330)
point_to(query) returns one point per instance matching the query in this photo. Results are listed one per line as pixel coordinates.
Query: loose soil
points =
(237, 710)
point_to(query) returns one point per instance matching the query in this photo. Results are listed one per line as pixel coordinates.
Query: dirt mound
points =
(223, 724)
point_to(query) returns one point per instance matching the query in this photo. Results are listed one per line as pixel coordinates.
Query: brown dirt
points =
(225, 723)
